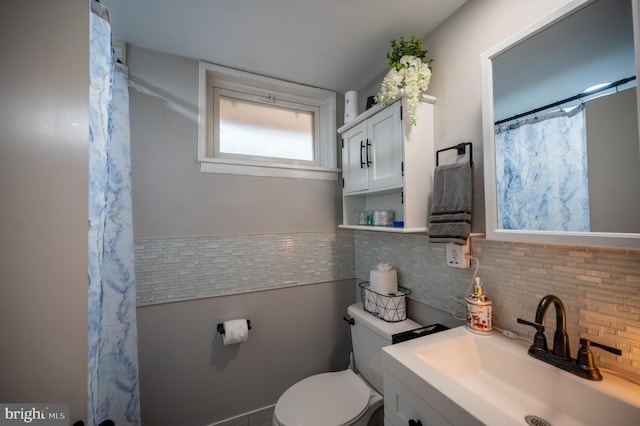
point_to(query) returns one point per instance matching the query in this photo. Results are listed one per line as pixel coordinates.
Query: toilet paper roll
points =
(370, 302)
(395, 307)
(384, 282)
(350, 105)
(235, 331)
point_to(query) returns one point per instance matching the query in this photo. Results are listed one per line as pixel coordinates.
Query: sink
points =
(493, 379)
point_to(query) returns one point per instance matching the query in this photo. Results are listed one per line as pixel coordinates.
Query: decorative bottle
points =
(479, 310)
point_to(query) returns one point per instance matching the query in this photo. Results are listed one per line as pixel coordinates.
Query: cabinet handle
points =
(415, 423)
(368, 145)
(361, 159)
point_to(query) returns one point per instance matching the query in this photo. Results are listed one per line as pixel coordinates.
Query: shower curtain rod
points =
(572, 98)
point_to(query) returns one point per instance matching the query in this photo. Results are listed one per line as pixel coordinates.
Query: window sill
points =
(238, 167)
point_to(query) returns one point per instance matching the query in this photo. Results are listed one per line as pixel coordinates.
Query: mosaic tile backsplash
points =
(172, 269)
(600, 288)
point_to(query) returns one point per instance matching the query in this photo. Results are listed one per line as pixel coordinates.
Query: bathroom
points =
(186, 375)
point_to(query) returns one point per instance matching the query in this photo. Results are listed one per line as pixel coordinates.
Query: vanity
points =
(456, 377)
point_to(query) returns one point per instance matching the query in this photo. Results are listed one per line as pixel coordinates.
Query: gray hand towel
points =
(451, 203)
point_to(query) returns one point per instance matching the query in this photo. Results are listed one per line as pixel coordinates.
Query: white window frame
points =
(214, 79)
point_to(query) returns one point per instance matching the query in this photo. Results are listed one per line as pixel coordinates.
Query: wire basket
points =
(390, 308)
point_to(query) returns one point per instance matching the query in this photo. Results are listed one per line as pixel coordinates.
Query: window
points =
(254, 125)
(263, 128)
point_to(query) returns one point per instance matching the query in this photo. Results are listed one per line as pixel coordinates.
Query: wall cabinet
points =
(387, 163)
(368, 165)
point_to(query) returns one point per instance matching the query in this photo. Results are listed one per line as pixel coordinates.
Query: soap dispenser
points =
(479, 310)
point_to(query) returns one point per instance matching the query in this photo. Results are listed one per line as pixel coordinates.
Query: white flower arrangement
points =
(408, 77)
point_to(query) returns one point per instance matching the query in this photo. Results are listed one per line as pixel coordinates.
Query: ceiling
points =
(332, 44)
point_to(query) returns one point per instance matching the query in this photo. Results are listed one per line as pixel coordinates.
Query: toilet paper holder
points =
(221, 327)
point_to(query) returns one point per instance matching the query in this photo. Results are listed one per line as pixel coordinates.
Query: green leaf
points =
(412, 47)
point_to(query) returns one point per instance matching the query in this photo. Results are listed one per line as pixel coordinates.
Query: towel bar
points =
(462, 149)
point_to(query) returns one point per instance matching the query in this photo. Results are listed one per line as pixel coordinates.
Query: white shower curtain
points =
(112, 341)
(541, 173)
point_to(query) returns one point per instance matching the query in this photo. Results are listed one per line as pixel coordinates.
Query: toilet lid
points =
(324, 399)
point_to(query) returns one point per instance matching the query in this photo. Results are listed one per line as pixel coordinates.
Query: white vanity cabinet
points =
(388, 163)
(409, 399)
(402, 405)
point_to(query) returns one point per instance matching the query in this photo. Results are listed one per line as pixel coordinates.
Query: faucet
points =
(560, 338)
(560, 355)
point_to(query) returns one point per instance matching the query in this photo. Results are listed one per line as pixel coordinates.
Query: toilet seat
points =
(324, 399)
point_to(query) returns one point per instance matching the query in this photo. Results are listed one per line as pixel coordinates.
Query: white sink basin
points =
(497, 382)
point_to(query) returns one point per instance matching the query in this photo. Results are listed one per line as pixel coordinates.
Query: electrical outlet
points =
(457, 255)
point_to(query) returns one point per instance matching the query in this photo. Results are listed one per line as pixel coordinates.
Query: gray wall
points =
(44, 93)
(172, 198)
(187, 377)
(613, 156)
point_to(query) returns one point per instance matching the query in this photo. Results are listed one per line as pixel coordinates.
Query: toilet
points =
(344, 397)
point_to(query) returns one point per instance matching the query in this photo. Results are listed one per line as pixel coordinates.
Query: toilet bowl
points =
(344, 398)
(340, 398)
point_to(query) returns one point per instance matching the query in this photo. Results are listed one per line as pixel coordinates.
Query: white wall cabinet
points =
(387, 163)
(372, 153)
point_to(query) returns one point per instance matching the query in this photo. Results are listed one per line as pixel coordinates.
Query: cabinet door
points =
(385, 138)
(402, 405)
(354, 158)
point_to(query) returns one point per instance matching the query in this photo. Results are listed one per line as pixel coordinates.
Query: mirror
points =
(562, 156)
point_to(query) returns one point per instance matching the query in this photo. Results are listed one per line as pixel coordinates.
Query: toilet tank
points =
(369, 334)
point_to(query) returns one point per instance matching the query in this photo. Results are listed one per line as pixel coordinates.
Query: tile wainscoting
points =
(173, 269)
(600, 287)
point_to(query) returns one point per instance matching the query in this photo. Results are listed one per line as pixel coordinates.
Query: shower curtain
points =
(112, 339)
(541, 173)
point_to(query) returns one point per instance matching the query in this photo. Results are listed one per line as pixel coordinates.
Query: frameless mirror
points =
(560, 123)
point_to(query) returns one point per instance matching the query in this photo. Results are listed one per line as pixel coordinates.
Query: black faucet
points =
(560, 355)
(560, 338)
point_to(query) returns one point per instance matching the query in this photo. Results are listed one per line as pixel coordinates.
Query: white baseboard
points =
(260, 417)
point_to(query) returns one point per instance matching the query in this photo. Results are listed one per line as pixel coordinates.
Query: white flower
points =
(411, 80)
